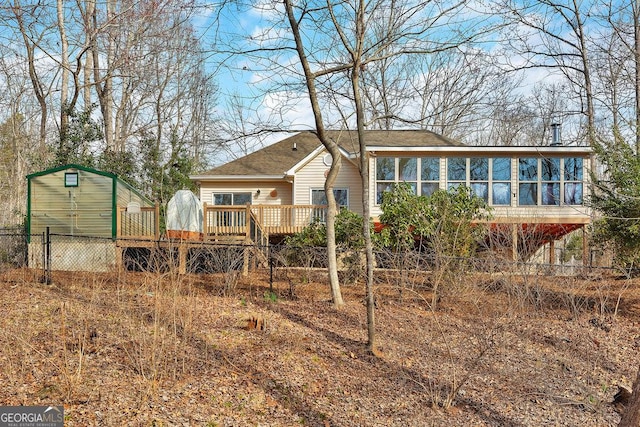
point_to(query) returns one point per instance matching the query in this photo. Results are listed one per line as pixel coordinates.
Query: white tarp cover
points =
(184, 212)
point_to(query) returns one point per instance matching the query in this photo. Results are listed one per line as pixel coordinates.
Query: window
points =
(385, 176)
(528, 181)
(550, 181)
(319, 197)
(408, 172)
(477, 179)
(71, 179)
(429, 175)
(573, 181)
(421, 173)
(229, 199)
(456, 172)
(501, 181)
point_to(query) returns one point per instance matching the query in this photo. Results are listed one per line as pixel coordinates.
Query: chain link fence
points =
(13, 247)
(55, 252)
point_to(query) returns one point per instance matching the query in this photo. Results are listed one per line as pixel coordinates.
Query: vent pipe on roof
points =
(295, 147)
(555, 135)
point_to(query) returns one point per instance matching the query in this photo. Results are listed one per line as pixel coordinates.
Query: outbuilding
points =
(74, 201)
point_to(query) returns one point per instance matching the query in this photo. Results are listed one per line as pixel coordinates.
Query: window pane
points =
(342, 197)
(381, 187)
(573, 194)
(528, 194)
(551, 169)
(318, 197)
(457, 169)
(528, 169)
(481, 190)
(551, 193)
(479, 169)
(241, 198)
(501, 193)
(408, 169)
(385, 168)
(573, 169)
(222, 199)
(428, 188)
(453, 185)
(430, 169)
(501, 169)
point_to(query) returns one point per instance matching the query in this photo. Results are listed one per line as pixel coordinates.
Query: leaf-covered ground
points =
(167, 350)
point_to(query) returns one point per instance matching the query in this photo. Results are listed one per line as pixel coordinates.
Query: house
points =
(537, 193)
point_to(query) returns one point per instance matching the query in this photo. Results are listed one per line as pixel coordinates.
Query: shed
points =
(86, 211)
(76, 200)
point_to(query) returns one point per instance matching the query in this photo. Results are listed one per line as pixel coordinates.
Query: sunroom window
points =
(429, 175)
(421, 173)
(550, 181)
(501, 181)
(385, 176)
(528, 181)
(477, 179)
(573, 186)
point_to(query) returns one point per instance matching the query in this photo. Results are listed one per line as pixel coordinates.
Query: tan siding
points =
(271, 193)
(312, 176)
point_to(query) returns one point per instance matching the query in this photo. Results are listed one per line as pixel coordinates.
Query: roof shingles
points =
(276, 159)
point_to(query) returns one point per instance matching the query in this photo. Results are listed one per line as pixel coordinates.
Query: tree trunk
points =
(631, 415)
(331, 146)
(364, 174)
(64, 83)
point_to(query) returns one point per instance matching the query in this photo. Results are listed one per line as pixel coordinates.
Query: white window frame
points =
(346, 189)
(233, 195)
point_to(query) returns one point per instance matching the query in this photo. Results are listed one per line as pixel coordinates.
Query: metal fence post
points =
(270, 269)
(48, 257)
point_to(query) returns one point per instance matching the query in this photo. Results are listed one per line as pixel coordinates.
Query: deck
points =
(243, 224)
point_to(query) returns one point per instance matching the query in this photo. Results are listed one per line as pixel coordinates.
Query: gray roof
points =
(276, 159)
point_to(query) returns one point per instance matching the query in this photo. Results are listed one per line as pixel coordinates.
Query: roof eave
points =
(238, 177)
(497, 149)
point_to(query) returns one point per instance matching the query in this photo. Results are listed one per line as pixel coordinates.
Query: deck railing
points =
(142, 224)
(271, 219)
(253, 222)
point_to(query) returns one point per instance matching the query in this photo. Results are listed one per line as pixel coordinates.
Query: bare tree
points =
(340, 48)
(552, 35)
(330, 145)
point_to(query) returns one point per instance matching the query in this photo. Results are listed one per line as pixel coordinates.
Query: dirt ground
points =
(166, 350)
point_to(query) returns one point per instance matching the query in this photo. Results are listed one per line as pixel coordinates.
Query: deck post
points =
(514, 242)
(586, 259)
(118, 221)
(205, 226)
(247, 240)
(157, 221)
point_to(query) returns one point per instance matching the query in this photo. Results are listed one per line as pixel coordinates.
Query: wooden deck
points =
(242, 224)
